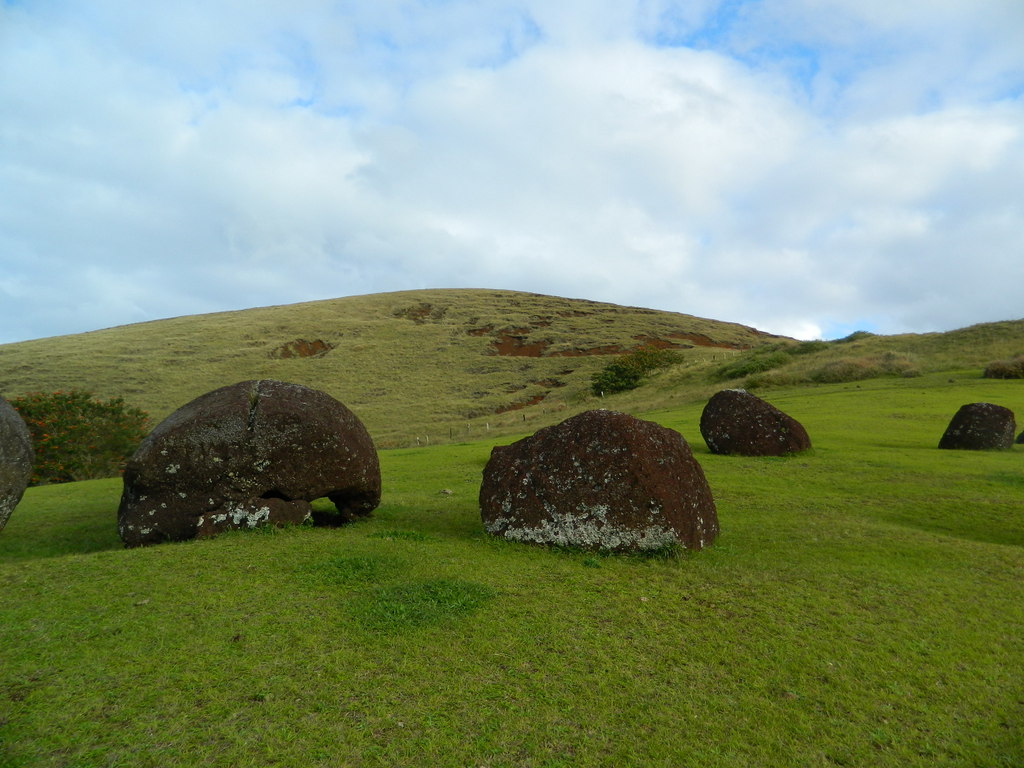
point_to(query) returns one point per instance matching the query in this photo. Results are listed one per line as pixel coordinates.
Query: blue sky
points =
(807, 167)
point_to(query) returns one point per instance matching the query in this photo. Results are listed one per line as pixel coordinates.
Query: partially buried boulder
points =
(256, 452)
(737, 422)
(16, 458)
(599, 480)
(980, 427)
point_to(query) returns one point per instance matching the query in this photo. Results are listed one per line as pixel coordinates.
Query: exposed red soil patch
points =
(514, 343)
(702, 340)
(550, 383)
(653, 342)
(302, 348)
(520, 404)
(422, 313)
(607, 349)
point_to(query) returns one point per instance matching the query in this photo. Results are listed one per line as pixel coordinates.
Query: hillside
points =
(421, 367)
(416, 366)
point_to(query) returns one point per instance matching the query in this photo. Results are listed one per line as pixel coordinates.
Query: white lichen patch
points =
(172, 469)
(589, 529)
(240, 516)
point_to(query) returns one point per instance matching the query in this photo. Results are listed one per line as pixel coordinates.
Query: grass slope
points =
(416, 366)
(863, 606)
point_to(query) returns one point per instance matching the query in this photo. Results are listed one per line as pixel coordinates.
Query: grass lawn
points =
(863, 606)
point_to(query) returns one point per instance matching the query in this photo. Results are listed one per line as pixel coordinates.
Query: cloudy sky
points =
(808, 167)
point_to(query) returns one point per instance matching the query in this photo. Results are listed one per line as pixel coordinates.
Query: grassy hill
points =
(415, 366)
(424, 367)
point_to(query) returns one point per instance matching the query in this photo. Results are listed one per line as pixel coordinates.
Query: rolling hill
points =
(428, 366)
(414, 365)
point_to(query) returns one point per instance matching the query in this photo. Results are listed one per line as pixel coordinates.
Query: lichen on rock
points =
(600, 480)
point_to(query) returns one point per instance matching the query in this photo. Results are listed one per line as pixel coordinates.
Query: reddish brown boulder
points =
(737, 422)
(252, 453)
(599, 480)
(980, 427)
(16, 459)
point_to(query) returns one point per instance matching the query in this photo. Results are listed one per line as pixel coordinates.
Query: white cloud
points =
(797, 166)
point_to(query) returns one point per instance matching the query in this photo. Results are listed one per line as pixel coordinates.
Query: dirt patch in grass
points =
(520, 404)
(302, 348)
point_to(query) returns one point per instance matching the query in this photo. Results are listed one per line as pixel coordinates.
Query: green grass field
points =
(863, 606)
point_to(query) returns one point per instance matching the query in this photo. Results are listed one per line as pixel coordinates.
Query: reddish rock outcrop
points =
(253, 453)
(16, 458)
(737, 422)
(599, 480)
(980, 427)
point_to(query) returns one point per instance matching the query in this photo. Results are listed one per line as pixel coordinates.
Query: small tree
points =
(77, 437)
(628, 371)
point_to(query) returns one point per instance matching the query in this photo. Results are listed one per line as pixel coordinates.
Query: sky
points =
(806, 167)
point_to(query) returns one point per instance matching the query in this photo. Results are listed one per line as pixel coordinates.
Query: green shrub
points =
(775, 378)
(758, 362)
(846, 369)
(77, 437)
(808, 347)
(859, 368)
(855, 336)
(628, 371)
(895, 364)
(1005, 369)
(615, 377)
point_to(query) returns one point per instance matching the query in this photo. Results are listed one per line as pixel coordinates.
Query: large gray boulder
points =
(600, 480)
(253, 453)
(980, 427)
(16, 459)
(735, 422)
